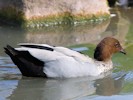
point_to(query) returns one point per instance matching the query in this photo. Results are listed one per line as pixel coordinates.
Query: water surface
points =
(117, 84)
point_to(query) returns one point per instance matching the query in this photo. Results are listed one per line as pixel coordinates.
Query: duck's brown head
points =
(106, 48)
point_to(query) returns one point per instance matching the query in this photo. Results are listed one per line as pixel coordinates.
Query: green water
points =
(118, 85)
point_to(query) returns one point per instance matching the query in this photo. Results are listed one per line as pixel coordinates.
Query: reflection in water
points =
(6, 88)
(56, 35)
(88, 33)
(119, 25)
(53, 89)
(108, 86)
(9, 35)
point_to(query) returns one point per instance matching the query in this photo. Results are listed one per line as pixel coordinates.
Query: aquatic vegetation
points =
(65, 18)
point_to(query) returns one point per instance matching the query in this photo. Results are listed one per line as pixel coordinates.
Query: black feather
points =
(38, 47)
(27, 64)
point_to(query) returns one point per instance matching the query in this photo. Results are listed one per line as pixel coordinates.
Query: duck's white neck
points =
(104, 66)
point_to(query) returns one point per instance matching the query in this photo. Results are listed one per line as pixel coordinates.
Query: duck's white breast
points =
(69, 67)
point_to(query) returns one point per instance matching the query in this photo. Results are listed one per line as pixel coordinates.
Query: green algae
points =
(65, 18)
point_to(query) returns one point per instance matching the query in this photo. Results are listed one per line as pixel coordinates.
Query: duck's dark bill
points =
(123, 51)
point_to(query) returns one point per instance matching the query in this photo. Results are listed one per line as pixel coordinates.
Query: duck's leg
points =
(27, 64)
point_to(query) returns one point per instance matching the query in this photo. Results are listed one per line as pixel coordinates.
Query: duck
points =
(43, 60)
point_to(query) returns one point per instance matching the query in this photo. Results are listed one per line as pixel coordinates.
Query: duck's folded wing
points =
(76, 55)
(44, 50)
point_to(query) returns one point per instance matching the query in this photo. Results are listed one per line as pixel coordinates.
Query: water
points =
(115, 86)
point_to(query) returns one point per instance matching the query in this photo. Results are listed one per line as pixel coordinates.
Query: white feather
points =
(63, 62)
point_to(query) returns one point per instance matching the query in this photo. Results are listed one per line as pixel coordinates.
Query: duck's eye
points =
(117, 45)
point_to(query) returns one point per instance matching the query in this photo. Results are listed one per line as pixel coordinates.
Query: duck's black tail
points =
(27, 64)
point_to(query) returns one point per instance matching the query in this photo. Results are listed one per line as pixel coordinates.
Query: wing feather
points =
(46, 52)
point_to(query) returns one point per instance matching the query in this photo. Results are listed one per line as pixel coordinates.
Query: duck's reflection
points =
(108, 86)
(62, 89)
